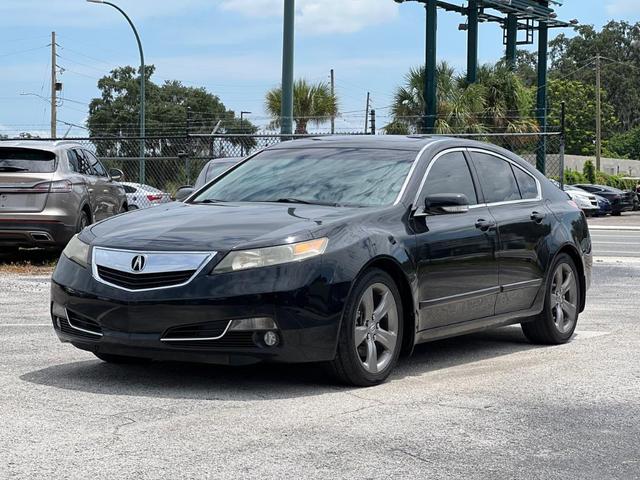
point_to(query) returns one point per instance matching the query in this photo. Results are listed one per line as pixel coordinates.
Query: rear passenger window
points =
(497, 179)
(527, 184)
(95, 164)
(80, 164)
(450, 174)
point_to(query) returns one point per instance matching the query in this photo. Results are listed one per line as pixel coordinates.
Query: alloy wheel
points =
(376, 328)
(564, 298)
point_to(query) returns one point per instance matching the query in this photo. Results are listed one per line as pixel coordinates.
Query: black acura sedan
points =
(343, 250)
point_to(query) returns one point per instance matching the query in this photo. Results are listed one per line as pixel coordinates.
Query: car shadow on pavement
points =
(263, 381)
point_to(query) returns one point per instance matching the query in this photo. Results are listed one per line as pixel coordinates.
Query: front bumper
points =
(301, 299)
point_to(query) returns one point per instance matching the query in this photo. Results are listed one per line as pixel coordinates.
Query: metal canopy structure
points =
(514, 16)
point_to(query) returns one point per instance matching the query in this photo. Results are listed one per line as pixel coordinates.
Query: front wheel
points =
(557, 322)
(371, 331)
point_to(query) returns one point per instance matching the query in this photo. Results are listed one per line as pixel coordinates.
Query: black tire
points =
(83, 221)
(131, 208)
(121, 359)
(347, 366)
(616, 214)
(543, 328)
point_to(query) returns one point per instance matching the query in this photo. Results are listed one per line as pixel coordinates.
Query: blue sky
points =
(233, 48)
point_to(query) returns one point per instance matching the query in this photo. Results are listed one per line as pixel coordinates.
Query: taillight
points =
(153, 198)
(573, 204)
(60, 186)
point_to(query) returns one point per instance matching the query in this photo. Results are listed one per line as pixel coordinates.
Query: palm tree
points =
(456, 106)
(311, 103)
(499, 101)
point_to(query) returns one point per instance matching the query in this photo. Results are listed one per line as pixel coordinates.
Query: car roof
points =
(390, 142)
(46, 145)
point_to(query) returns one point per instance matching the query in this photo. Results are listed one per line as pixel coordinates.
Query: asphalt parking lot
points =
(483, 406)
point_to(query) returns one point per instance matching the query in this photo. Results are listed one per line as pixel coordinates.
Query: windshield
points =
(26, 160)
(332, 176)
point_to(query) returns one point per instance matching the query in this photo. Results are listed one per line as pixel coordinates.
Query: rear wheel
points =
(616, 214)
(132, 208)
(557, 322)
(83, 221)
(371, 331)
(121, 359)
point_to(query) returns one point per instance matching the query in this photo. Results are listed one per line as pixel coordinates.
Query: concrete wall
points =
(612, 166)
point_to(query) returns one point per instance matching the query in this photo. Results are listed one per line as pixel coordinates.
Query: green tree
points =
(497, 102)
(589, 171)
(311, 103)
(171, 109)
(580, 108)
(617, 43)
(625, 145)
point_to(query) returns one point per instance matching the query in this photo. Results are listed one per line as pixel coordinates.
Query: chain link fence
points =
(176, 161)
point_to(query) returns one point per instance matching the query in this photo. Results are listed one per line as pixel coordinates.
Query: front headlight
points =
(78, 251)
(264, 257)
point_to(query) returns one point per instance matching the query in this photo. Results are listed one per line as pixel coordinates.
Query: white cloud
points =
(321, 16)
(623, 7)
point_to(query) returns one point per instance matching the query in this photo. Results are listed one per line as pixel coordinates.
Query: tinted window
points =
(95, 164)
(527, 184)
(497, 179)
(450, 174)
(26, 160)
(81, 161)
(129, 189)
(74, 163)
(346, 176)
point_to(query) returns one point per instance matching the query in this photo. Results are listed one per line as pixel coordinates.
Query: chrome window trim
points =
(205, 339)
(435, 159)
(513, 164)
(405, 185)
(78, 328)
(96, 276)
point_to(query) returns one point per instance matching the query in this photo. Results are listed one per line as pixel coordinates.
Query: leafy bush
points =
(589, 171)
(626, 145)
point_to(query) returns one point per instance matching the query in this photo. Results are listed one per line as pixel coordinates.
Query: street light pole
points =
(142, 85)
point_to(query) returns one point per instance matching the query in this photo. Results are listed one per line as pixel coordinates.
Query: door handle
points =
(537, 217)
(105, 191)
(485, 225)
(91, 190)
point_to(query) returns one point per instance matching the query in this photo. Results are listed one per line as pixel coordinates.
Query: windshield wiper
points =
(8, 168)
(306, 202)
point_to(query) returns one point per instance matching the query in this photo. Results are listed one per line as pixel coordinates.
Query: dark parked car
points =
(344, 250)
(211, 170)
(621, 201)
(604, 206)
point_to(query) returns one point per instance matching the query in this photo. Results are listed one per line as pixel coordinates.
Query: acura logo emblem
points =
(138, 262)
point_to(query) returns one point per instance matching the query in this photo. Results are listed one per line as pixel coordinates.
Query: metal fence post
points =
(562, 141)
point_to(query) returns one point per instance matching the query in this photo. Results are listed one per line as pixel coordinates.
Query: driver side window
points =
(450, 174)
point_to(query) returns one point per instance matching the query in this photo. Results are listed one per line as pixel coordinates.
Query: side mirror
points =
(183, 193)
(116, 174)
(440, 203)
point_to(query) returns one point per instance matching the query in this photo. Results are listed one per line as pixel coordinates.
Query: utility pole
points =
(54, 87)
(333, 93)
(598, 113)
(366, 113)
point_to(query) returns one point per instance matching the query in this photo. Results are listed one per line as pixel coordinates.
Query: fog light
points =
(271, 339)
(250, 324)
(58, 310)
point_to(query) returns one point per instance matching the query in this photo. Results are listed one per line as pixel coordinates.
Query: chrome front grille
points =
(139, 271)
(143, 281)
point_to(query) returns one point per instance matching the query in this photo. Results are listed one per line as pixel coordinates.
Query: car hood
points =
(212, 227)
